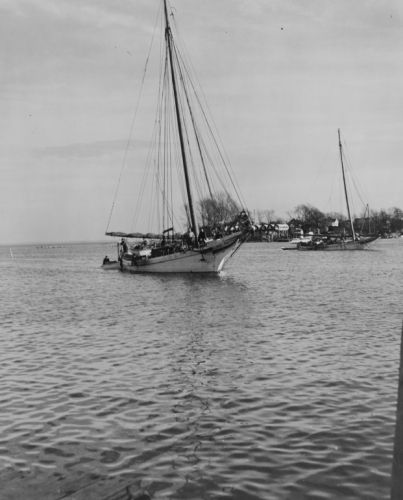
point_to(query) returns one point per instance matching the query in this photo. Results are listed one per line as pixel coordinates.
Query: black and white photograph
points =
(201, 250)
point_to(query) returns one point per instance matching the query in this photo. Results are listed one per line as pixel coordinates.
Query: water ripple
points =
(276, 380)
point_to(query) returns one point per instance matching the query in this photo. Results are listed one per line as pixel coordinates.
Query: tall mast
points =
(168, 36)
(345, 187)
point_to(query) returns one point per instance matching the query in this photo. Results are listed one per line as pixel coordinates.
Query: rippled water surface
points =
(276, 380)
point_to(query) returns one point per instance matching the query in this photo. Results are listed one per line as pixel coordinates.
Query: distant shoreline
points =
(49, 244)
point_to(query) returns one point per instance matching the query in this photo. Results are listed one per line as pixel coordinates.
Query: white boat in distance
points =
(201, 233)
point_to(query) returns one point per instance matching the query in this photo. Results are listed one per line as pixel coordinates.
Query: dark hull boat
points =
(322, 243)
(341, 242)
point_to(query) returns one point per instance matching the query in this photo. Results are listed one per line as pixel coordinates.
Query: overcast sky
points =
(280, 77)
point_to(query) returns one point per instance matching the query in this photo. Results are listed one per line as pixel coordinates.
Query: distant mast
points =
(168, 35)
(345, 187)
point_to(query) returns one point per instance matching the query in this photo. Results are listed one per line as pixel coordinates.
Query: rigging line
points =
(181, 180)
(163, 139)
(225, 163)
(168, 205)
(196, 182)
(220, 148)
(179, 64)
(163, 187)
(351, 183)
(166, 208)
(161, 152)
(172, 147)
(171, 183)
(212, 162)
(198, 136)
(162, 177)
(169, 39)
(183, 116)
(195, 128)
(146, 171)
(169, 162)
(358, 187)
(133, 121)
(152, 142)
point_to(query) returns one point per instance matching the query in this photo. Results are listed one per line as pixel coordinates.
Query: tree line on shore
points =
(303, 216)
(218, 212)
(308, 218)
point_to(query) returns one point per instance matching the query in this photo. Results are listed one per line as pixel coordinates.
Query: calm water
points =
(277, 380)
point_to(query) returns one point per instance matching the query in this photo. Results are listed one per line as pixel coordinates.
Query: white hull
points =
(209, 259)
(184, 163)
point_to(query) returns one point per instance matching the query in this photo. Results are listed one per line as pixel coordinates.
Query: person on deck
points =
(217, 233)
(187, 238)
(124, 246)
(191, 237)
(202, 238)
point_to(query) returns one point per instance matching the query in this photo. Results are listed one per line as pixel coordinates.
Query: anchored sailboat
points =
(204, 230)
(339, 241)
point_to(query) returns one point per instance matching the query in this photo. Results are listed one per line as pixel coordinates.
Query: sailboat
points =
(205, 229)
(339, 241)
